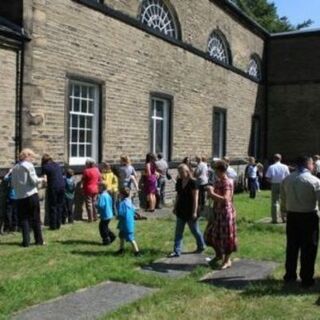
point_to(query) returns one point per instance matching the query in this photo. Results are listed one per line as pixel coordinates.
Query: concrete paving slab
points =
(176, 267)
(242, 273)
(267, 220)
(90, 303)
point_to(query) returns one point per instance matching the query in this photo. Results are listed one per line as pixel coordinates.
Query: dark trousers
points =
(68, 210)
(11, 217)
(202, 196)
(29, 216)
(106, 234)
(302, 235)
(252, 184)
(56, 207)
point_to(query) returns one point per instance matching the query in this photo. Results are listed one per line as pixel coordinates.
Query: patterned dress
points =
(221, 229)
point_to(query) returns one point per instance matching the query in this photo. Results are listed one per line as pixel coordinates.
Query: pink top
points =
(91, 178)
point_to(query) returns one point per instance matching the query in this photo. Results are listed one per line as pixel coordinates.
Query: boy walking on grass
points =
(104, 206)
(126, 225)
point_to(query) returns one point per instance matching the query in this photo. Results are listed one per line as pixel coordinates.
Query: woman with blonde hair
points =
(186, 210)
(25, 182)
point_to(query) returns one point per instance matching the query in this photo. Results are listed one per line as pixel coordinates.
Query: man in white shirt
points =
(231, 173)
(300, 196)
(201, 175)
(276, 173)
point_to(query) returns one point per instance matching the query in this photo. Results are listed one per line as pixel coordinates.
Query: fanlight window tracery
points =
(218, 49)
(155, 14)
(254, 68)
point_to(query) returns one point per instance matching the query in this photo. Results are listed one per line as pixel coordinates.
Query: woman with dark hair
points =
(150, 181)
(90, 181)
(221, 229)
(55, 190)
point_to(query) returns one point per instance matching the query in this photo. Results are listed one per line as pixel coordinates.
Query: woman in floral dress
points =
(221, 229)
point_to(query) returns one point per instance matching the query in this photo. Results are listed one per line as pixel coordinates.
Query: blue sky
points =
(299, 10)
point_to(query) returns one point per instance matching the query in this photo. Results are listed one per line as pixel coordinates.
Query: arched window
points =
(218, 47)
(157, 15)
(254, 67)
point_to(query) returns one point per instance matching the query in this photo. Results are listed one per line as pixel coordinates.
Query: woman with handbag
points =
(220, 232)
(186, 210)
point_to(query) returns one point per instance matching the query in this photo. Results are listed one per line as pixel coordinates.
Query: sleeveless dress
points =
(150, 182)
(221, 232)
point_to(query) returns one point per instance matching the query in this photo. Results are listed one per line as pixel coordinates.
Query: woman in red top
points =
(90, 183)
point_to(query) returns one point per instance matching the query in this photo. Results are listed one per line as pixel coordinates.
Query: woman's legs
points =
(151, 201)
(180, 224)
(195, 230)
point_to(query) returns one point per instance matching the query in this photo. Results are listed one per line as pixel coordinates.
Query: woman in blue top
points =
(105, 207)
(126, 212)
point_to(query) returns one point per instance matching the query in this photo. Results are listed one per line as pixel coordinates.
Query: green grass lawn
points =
(74, 259)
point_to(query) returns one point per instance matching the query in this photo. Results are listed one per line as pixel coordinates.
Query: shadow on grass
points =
(273, 287)
(149, 253)
(79, 242)
(94, 253)
(15, 244)
(262, 288)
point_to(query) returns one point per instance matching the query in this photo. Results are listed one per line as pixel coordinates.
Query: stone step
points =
(90, 303)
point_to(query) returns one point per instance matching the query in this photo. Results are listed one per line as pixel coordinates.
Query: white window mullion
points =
(78, 148)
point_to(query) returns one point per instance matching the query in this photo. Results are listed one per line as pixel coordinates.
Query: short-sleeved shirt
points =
(252, 171)
(162, 167)
(277, 172)
(185, 200)
(201, 172)
(105, 207)
(125, 173)
(91, 178)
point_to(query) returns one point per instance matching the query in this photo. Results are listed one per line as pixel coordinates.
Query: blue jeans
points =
(195, 230)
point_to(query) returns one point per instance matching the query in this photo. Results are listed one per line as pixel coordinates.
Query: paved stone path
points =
(176, 267)
(242, 273)
(90, 303)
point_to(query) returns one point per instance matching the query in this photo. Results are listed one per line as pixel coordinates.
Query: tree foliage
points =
(266, 15)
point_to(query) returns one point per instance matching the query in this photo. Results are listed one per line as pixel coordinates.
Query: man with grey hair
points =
(300, 195)
(276, 173)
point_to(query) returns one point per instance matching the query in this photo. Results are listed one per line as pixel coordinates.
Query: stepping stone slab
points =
(242, 273)
(267, 220)
(90, 303)
(176, 267)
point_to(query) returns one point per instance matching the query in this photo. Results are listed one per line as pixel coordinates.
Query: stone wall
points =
(198, 19)
(8, 78)
(70, 39)
(294, 95)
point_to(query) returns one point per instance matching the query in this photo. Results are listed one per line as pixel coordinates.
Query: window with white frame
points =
(155, 14)
(83, 122)
(218, 48)
(219, 133)
(160, 126)
(254, 68)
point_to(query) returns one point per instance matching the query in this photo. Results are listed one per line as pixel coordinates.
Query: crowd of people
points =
(108, 193)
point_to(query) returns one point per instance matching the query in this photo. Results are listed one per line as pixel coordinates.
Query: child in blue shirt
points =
(126, 225)
(105, 209)
(69, 190)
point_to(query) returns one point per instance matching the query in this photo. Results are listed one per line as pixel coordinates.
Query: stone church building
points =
(90, 78)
